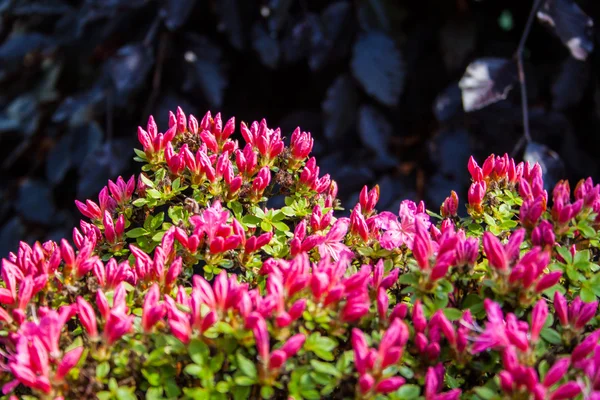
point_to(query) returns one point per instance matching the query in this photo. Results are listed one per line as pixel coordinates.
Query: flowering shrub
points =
(182, 283)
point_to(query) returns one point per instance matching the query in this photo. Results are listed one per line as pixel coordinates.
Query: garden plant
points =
(221, 271)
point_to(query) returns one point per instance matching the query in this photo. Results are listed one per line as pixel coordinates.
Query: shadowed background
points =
(374, 81)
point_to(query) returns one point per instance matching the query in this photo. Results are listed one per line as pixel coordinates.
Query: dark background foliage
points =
(375, 81)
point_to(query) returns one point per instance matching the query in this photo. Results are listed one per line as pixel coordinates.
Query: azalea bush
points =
(190, 282)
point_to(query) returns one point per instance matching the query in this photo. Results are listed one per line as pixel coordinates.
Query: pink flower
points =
(557, 372)
(476, 195)
(494, 250)
(402, 231)
(267, 141)
(153, 311)
(333, 245)
(122, 191)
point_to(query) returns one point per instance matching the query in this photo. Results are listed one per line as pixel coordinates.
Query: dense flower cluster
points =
(185, 284)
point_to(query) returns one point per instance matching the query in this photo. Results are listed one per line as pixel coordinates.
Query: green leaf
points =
(140, 202)
(485, 393)
(551, 336)
(158, 236)
(198, 351)
(172, 390)
(104, 395)
(102, 369)
(587, 294)
(176, 184)
(408, 392)
(153, 193)
(565, 254)
(288, 211)
(242, 380)
(265, 226)
(157, 221)
(125, 393)
(325, 368)
(193, 370)
(266, 392)
(136, 233)
(246, 366)
(453, 314)
(146, 181)
(281, 226)
(251, 220)
(154, 393)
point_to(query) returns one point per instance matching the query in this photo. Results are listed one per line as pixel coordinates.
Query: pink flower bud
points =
(70, 359)
(557, 372)
(87, 317)
(365, 383)
(547, 281)
(538, 319)
(567, 391)
(497, 257)
(389, 385)
(450, 206)
(418, 317)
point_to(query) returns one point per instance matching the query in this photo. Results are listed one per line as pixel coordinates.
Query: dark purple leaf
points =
(553, 168)
(571, 25)
(176, 12)
(450, 150)
(107, 162)
(339, 108)
(374, 129)
(487, 81)
(10, 235)
(295, 42)
(278, 13)
(203, 64)
(448, 103)
(331, 35)
(17, 46)
(266, 46)
(230, 15)
(378, 66)
(24, 110)
(570, 85)
(35, 202)
(40, 7)
(59, 159)
(129, 69)
(78, 109)
(457, 41)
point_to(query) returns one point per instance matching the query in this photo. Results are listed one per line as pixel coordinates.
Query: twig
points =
(519, 57)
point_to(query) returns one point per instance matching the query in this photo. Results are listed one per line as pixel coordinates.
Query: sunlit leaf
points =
(487, 81)
(571, 25)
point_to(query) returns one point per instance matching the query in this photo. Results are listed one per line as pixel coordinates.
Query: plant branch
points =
(519, 57)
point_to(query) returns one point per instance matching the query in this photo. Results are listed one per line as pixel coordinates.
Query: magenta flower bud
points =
(389, 385)
(365, 383)
(510, 359)
(584, 348)
(293, 345)
(432, 383)
(543, 234)
(418, 317)
(368, 199)
(301, 145)
(361, 350)
(399, 311)
(538, 319)
(276, 360)
(446, 326)
(557, 372)
(87, 317)
(506, 381)
(69, 360)
(567, 391)
(358, 225)
(547, 281)
(450, 206)
(476, 195)
(587, 312)
(497, 257)
(531, 211)
(422, 247)
(560, 308)
(488, 165)
(382, 303)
